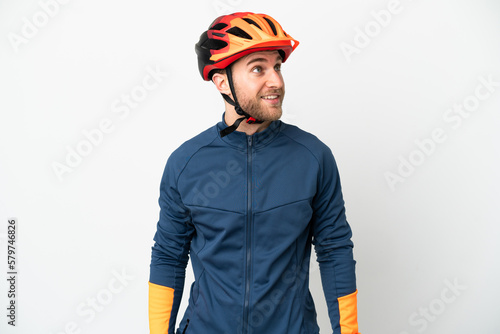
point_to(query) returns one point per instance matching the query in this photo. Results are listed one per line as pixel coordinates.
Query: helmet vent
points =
(218, 26)
(239, 33)
(214, 44)
(272, 25)
(252, 22)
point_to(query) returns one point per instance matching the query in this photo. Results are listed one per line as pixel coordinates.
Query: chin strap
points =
(231, 128)
(237, 107)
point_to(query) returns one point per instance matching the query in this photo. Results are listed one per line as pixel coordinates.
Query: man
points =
(247, 200)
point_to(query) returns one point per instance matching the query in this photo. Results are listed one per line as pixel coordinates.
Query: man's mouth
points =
(273, 99)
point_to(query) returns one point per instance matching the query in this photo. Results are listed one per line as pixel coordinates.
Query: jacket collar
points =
(239, 139)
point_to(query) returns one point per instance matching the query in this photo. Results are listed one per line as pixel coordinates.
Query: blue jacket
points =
(247, 209)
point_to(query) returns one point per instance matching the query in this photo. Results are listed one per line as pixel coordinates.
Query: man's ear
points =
(221, 83)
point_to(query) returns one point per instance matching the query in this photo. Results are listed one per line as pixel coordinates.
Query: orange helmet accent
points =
(233, 36)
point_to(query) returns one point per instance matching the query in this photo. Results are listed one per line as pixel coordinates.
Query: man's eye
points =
(257, 69)
(277, 68)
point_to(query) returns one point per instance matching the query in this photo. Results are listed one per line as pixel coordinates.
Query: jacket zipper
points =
(248, 236)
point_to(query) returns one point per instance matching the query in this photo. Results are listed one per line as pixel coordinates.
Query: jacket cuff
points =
(161, 299)
(348, 310)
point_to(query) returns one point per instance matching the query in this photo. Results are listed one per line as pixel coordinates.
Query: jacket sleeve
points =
(169, 255)
(333, 246)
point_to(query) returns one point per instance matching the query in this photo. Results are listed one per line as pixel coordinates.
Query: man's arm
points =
(333, 245)
(169, 255)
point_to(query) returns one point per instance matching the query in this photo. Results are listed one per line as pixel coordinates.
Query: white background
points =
(438, 227)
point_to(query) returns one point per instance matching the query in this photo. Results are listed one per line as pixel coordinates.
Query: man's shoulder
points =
(317, 147)
(186, 150)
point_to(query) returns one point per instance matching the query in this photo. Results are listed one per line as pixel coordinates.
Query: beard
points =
(258, 108)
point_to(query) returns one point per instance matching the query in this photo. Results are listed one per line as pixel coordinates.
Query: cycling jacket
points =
(247, 209)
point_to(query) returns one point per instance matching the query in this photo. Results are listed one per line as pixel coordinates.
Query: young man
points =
(247, 198)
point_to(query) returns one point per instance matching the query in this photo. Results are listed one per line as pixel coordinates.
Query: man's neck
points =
(231, 116)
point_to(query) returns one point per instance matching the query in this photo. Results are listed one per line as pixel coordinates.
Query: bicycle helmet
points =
(231, 37)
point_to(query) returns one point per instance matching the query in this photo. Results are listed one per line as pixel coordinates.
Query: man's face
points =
(258, 84)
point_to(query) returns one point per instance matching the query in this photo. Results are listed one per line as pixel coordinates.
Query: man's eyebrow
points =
(262, 59)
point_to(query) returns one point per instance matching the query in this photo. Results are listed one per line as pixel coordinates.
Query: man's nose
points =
(274, 79)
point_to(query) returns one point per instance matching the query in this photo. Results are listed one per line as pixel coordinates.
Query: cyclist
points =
(246, 199)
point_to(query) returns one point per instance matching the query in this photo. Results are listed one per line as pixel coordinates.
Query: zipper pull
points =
(249, 141)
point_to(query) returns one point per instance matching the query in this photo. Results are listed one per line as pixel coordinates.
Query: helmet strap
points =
(237, 107)
(229, 129)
